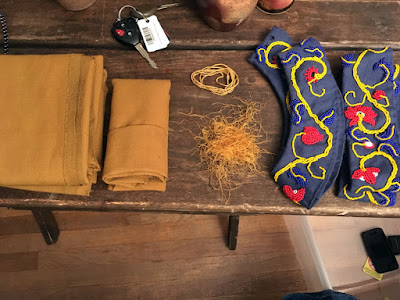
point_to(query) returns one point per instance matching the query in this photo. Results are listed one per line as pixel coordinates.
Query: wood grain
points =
(150, 256)
(157, 256)
(45, 27)
(188, 189)
(209, 226)
(337, 24)
(18, 262)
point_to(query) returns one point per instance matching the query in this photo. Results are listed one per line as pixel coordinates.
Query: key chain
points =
(126, 31)
(154, 36)
(135, 13)
(148, 10)
(5, 34)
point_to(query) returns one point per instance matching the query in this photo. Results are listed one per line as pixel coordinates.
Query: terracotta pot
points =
(275, 6)
(76, 4)
(226, 15)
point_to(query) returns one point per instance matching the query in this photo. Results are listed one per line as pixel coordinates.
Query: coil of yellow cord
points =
(232, 79)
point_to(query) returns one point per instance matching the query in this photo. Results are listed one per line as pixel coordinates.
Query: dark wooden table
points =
(43, 27)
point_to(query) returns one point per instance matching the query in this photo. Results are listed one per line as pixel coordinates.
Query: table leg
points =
(47, 224)
(233, 231)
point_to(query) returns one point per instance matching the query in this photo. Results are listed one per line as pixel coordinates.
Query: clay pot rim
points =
(73, 7)
(274, 11)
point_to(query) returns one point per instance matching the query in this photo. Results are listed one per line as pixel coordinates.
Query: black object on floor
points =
(378, 249)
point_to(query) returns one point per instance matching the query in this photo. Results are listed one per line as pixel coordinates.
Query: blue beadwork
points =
(388, 65)
(261, 54)
(397, 89)
(348, 57)
(305, 42)
(388, 132)
(328, 121)
(297, 171)
(288, 55)
(296, 117)
(390, 195)
(322, 52)
(357, 135)
(384, 137)
(390, 150)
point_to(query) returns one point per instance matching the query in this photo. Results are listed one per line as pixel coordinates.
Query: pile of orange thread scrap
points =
(230, 144)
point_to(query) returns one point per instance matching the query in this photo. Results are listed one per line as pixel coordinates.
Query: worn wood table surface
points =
(42, 26)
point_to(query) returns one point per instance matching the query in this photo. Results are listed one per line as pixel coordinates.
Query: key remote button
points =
(120, 32)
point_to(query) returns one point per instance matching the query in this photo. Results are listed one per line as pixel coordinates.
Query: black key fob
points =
(126, 31)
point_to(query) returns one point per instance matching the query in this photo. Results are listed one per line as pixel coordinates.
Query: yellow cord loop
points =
(231, 79)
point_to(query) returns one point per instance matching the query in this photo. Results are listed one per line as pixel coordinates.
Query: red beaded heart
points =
(311, 136)
(295, 195)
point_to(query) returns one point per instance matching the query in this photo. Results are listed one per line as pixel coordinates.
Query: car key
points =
(126, 31)
(147, 10)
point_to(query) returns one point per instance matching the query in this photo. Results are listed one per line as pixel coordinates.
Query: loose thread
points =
(229, 144)
(232, 79)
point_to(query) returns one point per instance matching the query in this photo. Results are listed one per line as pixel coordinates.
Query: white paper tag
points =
(153, 34)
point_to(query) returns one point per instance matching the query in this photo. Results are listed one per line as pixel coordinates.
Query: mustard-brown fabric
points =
(51, 122)
(137, 146)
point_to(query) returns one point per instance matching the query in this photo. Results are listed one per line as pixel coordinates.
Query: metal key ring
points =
(132, 7)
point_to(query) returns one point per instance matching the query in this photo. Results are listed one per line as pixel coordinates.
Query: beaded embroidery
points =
(358, 114)
(309, 74)
(369, 174)
(295, 195)
(310, 135)
(378, 95)
(263, 53)
(388, 141)
(328, 117)
(299, 176)
(297, 109)
(347, 60)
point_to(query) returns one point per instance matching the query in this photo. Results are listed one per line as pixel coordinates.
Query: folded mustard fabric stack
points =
(137, 146)
(51, 122)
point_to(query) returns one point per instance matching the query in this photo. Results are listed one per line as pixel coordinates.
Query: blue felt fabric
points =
(296, 179)
(275, 76)
(300, 64)
(366, 76)
(258, 60)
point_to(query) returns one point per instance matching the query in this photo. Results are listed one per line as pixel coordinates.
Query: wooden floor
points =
(113, 255)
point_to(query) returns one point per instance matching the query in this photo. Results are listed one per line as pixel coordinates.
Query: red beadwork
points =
(365, 112)
(378, 94)
(295, 195)
(311, 136)
(273, 60)
(368, 145)
(369, 175)
(309, 74)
